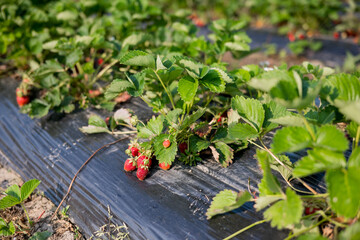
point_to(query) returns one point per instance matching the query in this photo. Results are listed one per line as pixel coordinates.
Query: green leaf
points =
(222, 74)
(116, 87)
(225, 154)
(73, 57)
(237, 46)
(173, 116)
(190, 119)
(351, 110)
(268, 80)
(41, 235)
(159, 64)
(14, 191)
(344, 87)
(273, 111)
(354, 159)
(156, 125)
(269, 184)
(93, 129)
(321, 117)
(352, 129)
(194, 69)
(318, 160)
(187, 89)
(8, 201)
(264, 201)
(138, 58)
(6, 229)
(285, 213)
(226, 201)
(138, 81)
(95, 120)
(165, 155)
(28, 187)
(214, 81)
(329, 137)
(291, 139)
(351, 233)
(343, 188)
(250, 109)
(197, 144)
(242, 131)
(289, 120)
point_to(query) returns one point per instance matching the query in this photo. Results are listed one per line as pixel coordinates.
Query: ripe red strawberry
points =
(164, 166)
(291, 37)
(336, 35)
(134, 151)
(183, 146)
(166, 143)
(21, 101)
(94, 93)
(100, 61)
(311, 210)
(130, 165)
(144, 161)
(142, 172)
(301, 36)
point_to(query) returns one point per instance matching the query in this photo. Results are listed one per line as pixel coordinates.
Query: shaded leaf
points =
(318, 160)
(226, 201)
(285, 213)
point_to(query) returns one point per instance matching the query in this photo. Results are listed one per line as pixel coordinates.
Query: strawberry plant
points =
(321, 99)
(14, 196)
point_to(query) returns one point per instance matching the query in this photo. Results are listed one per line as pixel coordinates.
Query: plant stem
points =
(27, 215)
(244, 229)
(308, 126)
(282, 164)
(357, 137)
(102, 72)
(126, 132)
(330, 220)
(166, 90)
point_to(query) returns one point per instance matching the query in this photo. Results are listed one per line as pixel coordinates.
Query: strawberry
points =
(144, 161)
(164, 166)
(21, 101)
(183, 147)
(130, 165)
(107, 120)
(100, 61)
(134, 151)
(94, 93)
(311, 210)
(166, 143)
(142, 172)
(336, 35)
(291, 37)
(301, 36)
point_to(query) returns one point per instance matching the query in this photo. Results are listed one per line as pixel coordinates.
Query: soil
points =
(40, 211)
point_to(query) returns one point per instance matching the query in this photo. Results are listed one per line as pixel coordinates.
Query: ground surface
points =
(40, 210)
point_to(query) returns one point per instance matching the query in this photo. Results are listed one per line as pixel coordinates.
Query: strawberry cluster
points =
(141, 160)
